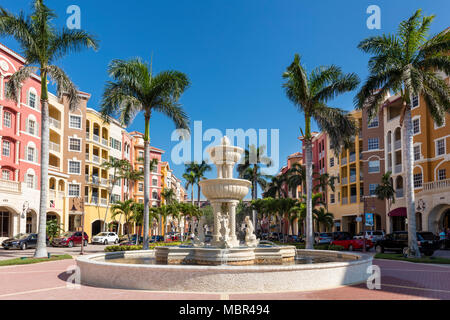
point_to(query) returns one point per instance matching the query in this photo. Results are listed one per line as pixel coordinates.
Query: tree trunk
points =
(192, 195)
(146, 181)
(41, 247)
(198, 195)
(309, 218)
(413, 250)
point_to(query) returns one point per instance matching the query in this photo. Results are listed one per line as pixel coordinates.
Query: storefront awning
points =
(399, 212)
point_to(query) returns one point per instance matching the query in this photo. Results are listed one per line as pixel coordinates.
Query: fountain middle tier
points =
(225, 189)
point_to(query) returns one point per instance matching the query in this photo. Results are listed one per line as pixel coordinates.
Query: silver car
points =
(323, 238)
(373, 236)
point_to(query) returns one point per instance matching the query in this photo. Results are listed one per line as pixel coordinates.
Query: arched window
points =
(31, 152)
(32, 98)
(30, 179)
(32, 125)
(7, 116)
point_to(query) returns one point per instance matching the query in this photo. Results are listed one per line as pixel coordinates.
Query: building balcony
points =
(87, 178)
(86, 199)
(96, 138)
(54, 147)
(10, 186)
(344, 161)
(389, 147)
(95, 180)
(54, 123)
(104, 181)
(352, 179)
(345, 200)
(398, 145)
(353, 199)
(94, 200)
(352, 157)
(398, 168)
(87, 156)
(96, 159)
(399, 193)
(54, 168)
(104, 202)
(104, 142)
(437, 185)
(345, 181)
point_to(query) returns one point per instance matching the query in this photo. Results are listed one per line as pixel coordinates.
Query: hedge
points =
(301, 246)
(140, 247)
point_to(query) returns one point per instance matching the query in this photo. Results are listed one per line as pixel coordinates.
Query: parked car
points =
(22, 242)
(398, 242)
(323, 238)
(157, 239)
(106, 238)
(276, 236)
(373, 236)
(70, 239)
(294, 238)
(345, 239)
(444, 244)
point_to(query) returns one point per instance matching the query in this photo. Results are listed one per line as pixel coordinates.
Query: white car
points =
(373, 236)
(106, 238)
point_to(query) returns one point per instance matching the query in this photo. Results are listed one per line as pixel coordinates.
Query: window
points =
(141, 187)
(442, 175)
(6, 150)
(374, 144)
(418, 180)
(374, 166)
(5, 174)
(155, 195)
(141, 154)
(7, 119)
(74, 167)
(374, 123)
(115, 144)
(30, 154)
(30, 181)
(332, 198)
(115, 198)
(415, 101)
(440, 147)
(74, 190)
(32, 127)
(75, 144)
(155, 182)
(75, 122)
(32, 100)
(417, 153)
(331, 162)
(372, 189)
(416, 126)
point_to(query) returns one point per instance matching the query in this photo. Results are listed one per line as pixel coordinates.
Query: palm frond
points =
(67, 41)
(16, 80)
(64, 86)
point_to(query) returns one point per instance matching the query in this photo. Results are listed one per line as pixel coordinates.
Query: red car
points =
(345, 240)
(70, 239)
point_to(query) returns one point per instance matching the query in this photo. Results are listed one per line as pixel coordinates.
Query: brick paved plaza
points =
(400, 280)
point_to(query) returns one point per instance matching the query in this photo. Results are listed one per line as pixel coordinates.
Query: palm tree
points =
(296, 176)
(123, 208)
(323, 182)
(136, 89)
(385, 191)
(189, 211)
(132, 176)
(190, 182)
(169, 196)
(407, 63)
(322, 216)
(199, 171)
(276, 188)
(119, 167)
(42, 44)
(250, 169)
(310, 94)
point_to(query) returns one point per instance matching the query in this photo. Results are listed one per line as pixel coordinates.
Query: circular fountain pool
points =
(311, 270)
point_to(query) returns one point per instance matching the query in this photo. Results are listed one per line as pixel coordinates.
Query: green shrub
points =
(140, 247)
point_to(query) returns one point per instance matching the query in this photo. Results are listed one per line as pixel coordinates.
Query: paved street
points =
(400, 280)
(75, 251)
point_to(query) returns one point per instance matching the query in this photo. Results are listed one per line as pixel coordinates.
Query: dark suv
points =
(398, 242)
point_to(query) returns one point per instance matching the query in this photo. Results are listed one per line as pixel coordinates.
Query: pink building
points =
(319, 143)
(20, 150)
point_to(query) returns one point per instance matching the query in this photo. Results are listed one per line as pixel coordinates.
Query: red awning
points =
(399, 212)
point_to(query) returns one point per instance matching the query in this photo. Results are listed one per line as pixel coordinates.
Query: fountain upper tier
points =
(225, 157)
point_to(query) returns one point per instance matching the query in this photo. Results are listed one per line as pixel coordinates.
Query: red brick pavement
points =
(400, 281)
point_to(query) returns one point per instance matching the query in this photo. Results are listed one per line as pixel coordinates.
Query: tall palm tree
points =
(190, 182)
(199, 171)
(250, 169)
(407, 63)
(136, 89)
(276, 188)
(169, 196)
(132, 176)
(385, 191)
(322, 216)
(296, 177)
(119, 167)
(310, 94)
(42, 44)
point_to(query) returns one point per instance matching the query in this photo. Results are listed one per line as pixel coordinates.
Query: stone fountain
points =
(224, 194)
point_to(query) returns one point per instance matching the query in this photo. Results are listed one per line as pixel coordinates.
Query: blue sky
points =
(234, 52)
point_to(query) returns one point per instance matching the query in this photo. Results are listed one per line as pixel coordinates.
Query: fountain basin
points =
(225, 189)
(96, 270)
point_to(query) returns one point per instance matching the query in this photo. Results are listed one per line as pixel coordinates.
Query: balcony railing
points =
(95, 180)
(352, 179)
(86, 199)
(436, 185)
(54, 147)
(352, 157)
(87, 178)
(399, 193)
(104, 202)
(398, 168)
(353, 199)
(345, 181)
(389, 147)
(12, 186)
(54, 123)
(104, 142)
(345, 200)
(54, 168)
(104, 182)
(86, 156)
(96, 159)
(398, 144)
(94, 200)
(344, 161)
(96, 138)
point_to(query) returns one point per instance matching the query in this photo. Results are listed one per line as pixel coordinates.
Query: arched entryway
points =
(31, 222)
(439, 218)
(398, 219)
(97, 227)
(8, 223)
(53, 216)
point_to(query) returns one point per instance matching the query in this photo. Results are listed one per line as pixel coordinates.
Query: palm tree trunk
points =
(146, 180)
(309, 183)
(41, 247)
(192, 195)
(410, 196)
(198, 195)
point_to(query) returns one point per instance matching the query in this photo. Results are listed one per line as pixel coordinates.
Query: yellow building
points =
(346, 203)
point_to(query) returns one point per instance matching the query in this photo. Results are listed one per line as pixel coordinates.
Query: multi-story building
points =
(431, 166)
(20, 146)
(346, 203)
